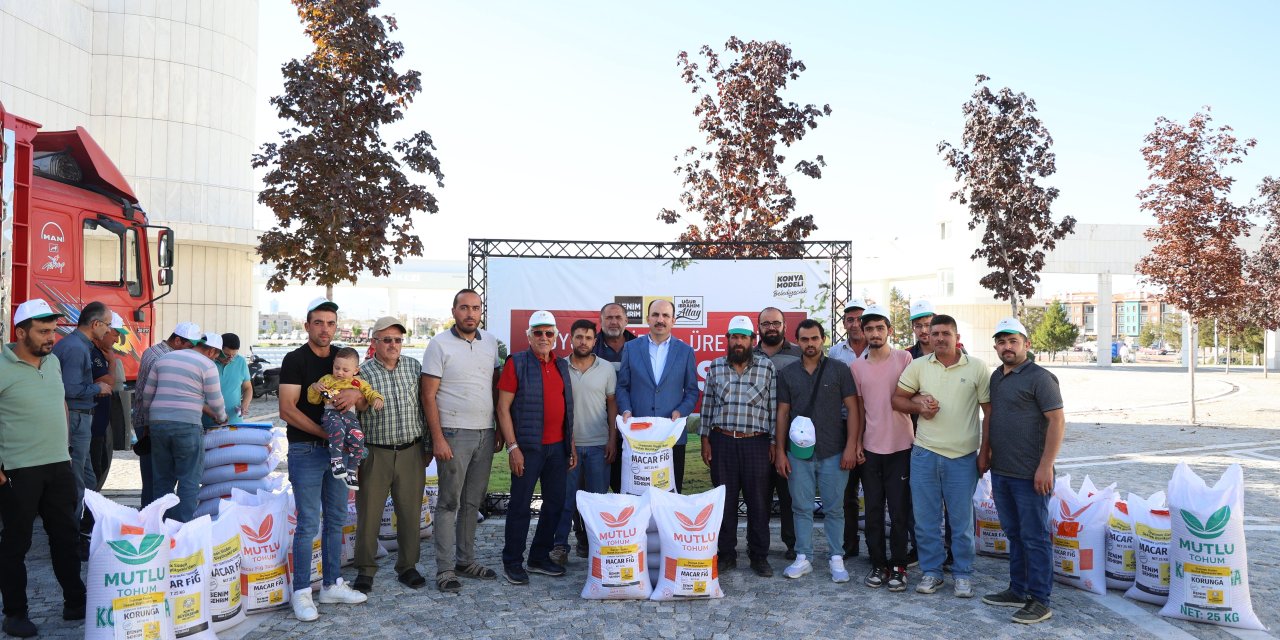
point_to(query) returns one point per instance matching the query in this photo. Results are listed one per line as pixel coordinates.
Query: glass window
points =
(103, 253)
(133, 262)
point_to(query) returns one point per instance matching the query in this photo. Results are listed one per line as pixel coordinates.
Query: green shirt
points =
(956, 431)
(33, 418)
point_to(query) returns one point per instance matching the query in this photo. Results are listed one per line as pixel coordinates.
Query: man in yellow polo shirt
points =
(946, 388)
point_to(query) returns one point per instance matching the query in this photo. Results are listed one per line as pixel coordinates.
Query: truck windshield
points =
(112, 257)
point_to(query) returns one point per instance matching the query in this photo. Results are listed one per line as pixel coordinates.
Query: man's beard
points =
(771, 338)
(37, 348)
(739, 355)
(875, 343)
(612, 333)
(582, 351)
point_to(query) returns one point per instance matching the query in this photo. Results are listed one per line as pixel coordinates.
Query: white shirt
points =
(844, 353)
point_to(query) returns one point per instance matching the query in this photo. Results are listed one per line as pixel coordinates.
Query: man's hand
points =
(346, 399)
(442, 450)
(928, 406)
(515, 460)
(573, 460)
(626, 415)
(849, 458)
(1044, 480)
(244, 410)
(984, 462)
(706, 451)
(103, 388)
(3, 479)
(675, 415)
(611, 450)
(780, 462)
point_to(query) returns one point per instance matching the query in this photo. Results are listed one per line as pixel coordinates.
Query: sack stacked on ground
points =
(1151, 536)
(689, 527)
(615, 524)
(1210, 579)
(647, 454)
(226, 606)
(317, 559)
(348, 530)
(264, 552)
(988, 536)
(235, 458)
(190, 575)
(128, 577)
(387, 532)
(1122, 557)
(1079, 525)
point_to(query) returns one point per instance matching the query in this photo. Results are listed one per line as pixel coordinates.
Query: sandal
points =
(447, 582)
(476, 570)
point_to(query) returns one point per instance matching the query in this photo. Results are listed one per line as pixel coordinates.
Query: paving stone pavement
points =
(1136, 448)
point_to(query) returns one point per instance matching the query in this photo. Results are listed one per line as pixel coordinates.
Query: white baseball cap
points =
(117, 323)
(35, 308)
(877, 310)
(803, 437)
(856, 303)
(542, 319)
(741, 325)
(213, 340)
(1009, 325)
(190, 331)
(922, 308)
(323, 304)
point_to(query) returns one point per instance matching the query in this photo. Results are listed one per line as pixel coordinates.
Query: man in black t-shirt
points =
(315, 490)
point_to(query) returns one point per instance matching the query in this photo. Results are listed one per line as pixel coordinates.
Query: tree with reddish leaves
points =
(342, 202)
(736, 180)
(1005, 148)
(1263, 300)
(1195, 258)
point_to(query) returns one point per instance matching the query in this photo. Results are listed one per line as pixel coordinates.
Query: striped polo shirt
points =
(180, 385)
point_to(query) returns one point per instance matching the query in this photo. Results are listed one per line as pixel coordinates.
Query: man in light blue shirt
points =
(233, 374)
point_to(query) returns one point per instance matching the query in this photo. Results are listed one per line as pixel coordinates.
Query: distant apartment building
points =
(1131, 310)
(275, 323)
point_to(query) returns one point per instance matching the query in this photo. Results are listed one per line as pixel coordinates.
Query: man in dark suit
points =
(657, 377)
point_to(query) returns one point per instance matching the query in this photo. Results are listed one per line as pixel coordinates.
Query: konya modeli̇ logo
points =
(696, 524)
(263, 534)
(147, 549)
(1212, 528)
(618, 521)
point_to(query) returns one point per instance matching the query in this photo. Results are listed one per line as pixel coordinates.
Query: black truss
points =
(839, 252)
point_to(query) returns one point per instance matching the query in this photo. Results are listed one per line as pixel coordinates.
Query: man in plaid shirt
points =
(397, 460)
(739, 410)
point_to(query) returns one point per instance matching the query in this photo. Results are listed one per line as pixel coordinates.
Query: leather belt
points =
(395, 447)
(736, 435)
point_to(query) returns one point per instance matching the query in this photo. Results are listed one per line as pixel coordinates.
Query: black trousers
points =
(742, 466)
(100, 450)
(886, 480)
(47, 491)
(778, 485)
(851, 546)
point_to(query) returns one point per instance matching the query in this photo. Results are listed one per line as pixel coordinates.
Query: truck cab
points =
(72, 232)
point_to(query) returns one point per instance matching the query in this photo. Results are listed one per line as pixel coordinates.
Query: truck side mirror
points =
(165, 242)
(165, 277)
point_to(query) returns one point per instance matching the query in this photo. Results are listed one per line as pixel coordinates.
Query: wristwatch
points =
(512, 447)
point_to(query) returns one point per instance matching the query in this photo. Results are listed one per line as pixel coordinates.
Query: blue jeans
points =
(80, 427)
(549, 465)
(1024, 516)
(593, 473)
(937, 480)
(315, 490)
(826, 475)
(177, 458)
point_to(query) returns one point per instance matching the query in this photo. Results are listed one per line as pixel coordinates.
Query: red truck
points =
(72, 231)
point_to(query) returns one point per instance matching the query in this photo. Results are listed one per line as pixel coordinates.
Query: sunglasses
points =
(390, 340)
(549, 333)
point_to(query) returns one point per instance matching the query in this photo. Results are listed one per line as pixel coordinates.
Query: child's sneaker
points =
(353, 483)
(337, 469)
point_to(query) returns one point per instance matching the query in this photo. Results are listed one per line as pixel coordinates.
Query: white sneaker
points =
(838, 572)
(303, 608)
(340, 593)
(798, 568)
(928, 584)
(964, 588)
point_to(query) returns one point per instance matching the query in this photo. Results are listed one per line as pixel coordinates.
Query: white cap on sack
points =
(803, 437)
(742, 326)
(190, 331)
(213, 340)
(877, 310)
(323, 304)
(542, 319)
(117, 323)
(856, 303)
(34, 308)
(922, 308)
(1009, 325)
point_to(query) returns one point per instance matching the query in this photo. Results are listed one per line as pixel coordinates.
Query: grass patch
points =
(697, 477)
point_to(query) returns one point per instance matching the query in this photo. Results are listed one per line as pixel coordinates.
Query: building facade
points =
(167, 88)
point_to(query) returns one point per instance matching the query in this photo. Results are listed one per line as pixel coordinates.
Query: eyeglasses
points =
(770, 325)
(390, 340)
(549, 333)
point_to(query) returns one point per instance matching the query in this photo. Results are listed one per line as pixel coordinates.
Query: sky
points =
(562, 120)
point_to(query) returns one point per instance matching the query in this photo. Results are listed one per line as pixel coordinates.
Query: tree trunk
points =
(1193, 329)
(328, 292)
(1228, 352)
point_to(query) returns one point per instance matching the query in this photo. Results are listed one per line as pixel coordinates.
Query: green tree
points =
(1055, 333)
(1032, 317)
(1149, 336)
(342, 202)
(356, 330)
(275, 328)
(900, 307)
(735, 180)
